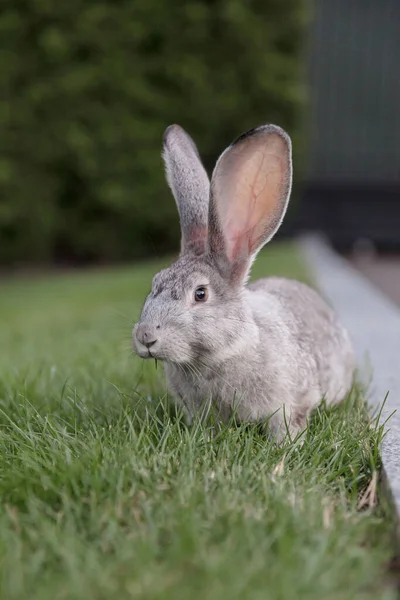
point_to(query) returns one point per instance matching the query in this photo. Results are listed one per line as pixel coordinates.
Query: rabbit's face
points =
(191, 315)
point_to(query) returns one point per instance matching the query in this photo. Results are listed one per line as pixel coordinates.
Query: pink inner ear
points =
(237, 244)
(251, 199)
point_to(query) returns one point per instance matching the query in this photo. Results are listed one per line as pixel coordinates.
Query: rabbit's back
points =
(314, 331)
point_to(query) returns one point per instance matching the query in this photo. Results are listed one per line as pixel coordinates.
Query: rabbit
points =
(265, 351)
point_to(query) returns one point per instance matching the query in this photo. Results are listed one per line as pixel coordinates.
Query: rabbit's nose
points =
(146, 334)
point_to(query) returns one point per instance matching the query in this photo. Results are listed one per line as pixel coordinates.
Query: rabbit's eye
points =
(201, 294)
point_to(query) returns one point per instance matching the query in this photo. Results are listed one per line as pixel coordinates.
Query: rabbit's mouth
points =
(144, 341)
(144, 352)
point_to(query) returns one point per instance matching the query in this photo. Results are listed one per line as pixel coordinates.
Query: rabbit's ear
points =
(190, 186)
(250, 190)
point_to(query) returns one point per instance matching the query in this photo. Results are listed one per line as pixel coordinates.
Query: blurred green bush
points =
(87, 88)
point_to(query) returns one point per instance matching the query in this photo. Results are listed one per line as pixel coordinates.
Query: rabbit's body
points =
(256, 375)
(272, 348)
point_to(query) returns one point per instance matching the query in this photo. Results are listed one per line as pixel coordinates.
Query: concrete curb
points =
(373, 322)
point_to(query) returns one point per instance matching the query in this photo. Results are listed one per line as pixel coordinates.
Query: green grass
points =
(105, 494)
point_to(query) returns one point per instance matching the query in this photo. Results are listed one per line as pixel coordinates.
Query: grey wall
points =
(355, 91)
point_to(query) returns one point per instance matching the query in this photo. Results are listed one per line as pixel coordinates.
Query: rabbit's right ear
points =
(190, 186)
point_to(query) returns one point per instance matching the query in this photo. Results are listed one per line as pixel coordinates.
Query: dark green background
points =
(87, 88)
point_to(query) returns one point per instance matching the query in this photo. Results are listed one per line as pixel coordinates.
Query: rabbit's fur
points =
(272, 348)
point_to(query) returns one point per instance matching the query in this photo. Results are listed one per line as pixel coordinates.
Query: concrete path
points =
(383, 272)
(373, 322)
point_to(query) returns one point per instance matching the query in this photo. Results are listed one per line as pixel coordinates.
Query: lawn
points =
(106, 494)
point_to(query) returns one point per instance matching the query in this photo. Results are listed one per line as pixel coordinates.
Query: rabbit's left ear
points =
(250, 190)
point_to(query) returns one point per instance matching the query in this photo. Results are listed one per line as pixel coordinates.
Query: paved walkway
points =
(383, 272)
(373, 322)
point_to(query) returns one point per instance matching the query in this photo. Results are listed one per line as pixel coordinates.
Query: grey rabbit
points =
(269, 349)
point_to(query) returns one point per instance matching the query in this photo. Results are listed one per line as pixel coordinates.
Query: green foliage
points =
(87, 88)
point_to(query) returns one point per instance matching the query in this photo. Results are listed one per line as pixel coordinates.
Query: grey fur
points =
(190, 186)
(273, 347)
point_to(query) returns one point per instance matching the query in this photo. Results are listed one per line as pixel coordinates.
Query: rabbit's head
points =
(197, 308)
